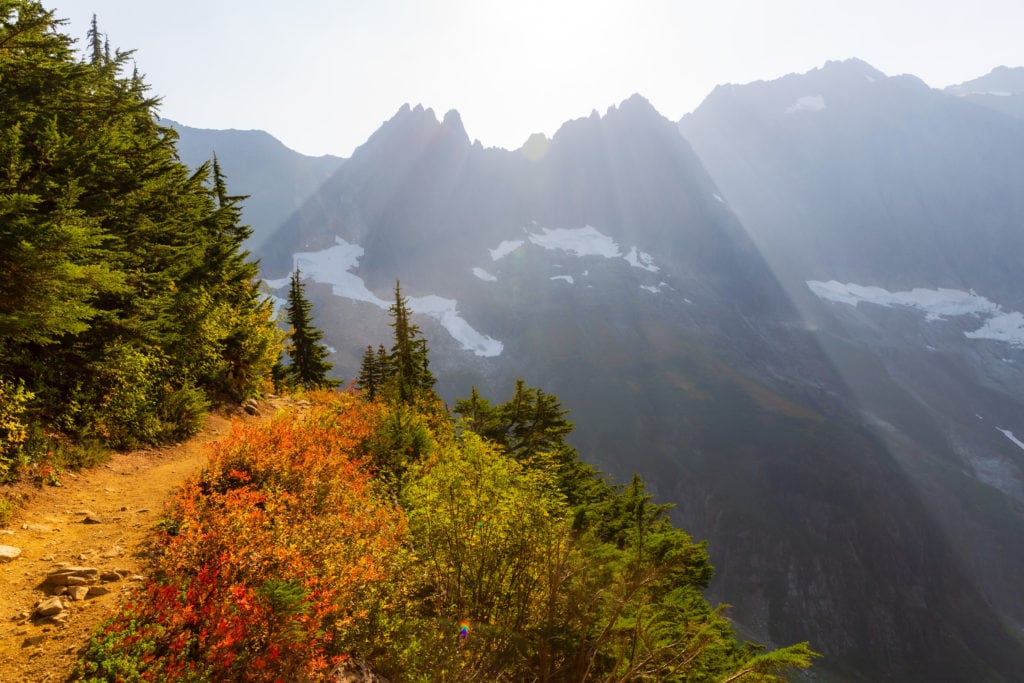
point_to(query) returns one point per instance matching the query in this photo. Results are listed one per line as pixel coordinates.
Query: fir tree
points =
(383, 365)
(126, 299)
(309, 365)
(369, 380)
(409, 361)
(96, 43)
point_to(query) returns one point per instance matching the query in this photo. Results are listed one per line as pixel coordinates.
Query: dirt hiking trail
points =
(89, 539)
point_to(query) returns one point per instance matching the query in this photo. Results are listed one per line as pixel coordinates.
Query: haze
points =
(321, 76)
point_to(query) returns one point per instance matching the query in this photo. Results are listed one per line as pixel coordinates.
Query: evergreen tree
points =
(309, 365)
(126, 299)
(383, 365)
(369, 380)
(96, 42)
(409, 361)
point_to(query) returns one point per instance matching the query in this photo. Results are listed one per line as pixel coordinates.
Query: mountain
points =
(1002, 89)
(607, 266)
(891, 213)
(276, 179)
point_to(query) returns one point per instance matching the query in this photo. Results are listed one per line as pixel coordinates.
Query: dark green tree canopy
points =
(309, 365)
(409, 362)
(127, 301)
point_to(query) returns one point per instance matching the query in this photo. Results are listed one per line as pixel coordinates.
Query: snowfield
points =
(331, 266)
(936, 304)
(807, 103)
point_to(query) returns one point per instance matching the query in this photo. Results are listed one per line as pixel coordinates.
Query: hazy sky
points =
(322, 75)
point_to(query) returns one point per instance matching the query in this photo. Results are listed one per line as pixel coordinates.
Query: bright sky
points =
(322, 75)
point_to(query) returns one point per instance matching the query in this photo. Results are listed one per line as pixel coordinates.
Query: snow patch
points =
(567, 278)
(936, 304)
(330, 266)
(807, 103)
(579, 242)
(718, 198)
(505, 248)
(444, 311)
(484, 275)
(585, 241)
(1009, 435)
(654, 289)
(1004, 327)
(641, 259)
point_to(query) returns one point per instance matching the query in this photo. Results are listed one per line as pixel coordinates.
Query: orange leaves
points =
(277, 547)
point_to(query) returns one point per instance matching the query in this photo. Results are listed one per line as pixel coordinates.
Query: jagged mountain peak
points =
(415, 128)
(849, 68)
(635, 104)
(453, 122)
(634, 115)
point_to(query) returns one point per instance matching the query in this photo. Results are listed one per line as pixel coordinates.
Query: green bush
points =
(13, 430)
(183, 413)
(6, 511)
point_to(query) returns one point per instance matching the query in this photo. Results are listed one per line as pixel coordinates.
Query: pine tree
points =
(96, 43)
(369, 380)
(384, 365)
(126, 298)
(309, 365)
(409, 361)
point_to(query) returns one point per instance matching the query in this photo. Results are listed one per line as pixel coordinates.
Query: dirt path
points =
(126, 496)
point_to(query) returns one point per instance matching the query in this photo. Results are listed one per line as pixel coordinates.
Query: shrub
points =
(276, 556)
(6, 512)
(13, 430)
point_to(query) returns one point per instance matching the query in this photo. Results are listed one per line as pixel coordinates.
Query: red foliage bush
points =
(269, 558)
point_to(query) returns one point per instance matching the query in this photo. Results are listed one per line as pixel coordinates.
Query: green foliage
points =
(407, 371)
(286, 557)
(401, 438)
(44, 451)
(624, 600)
(490, 534)
(183, 412)
(124, 285)
(374, 371)
(13, 430)
(531, 422)
(6, 512)
(309, 365)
